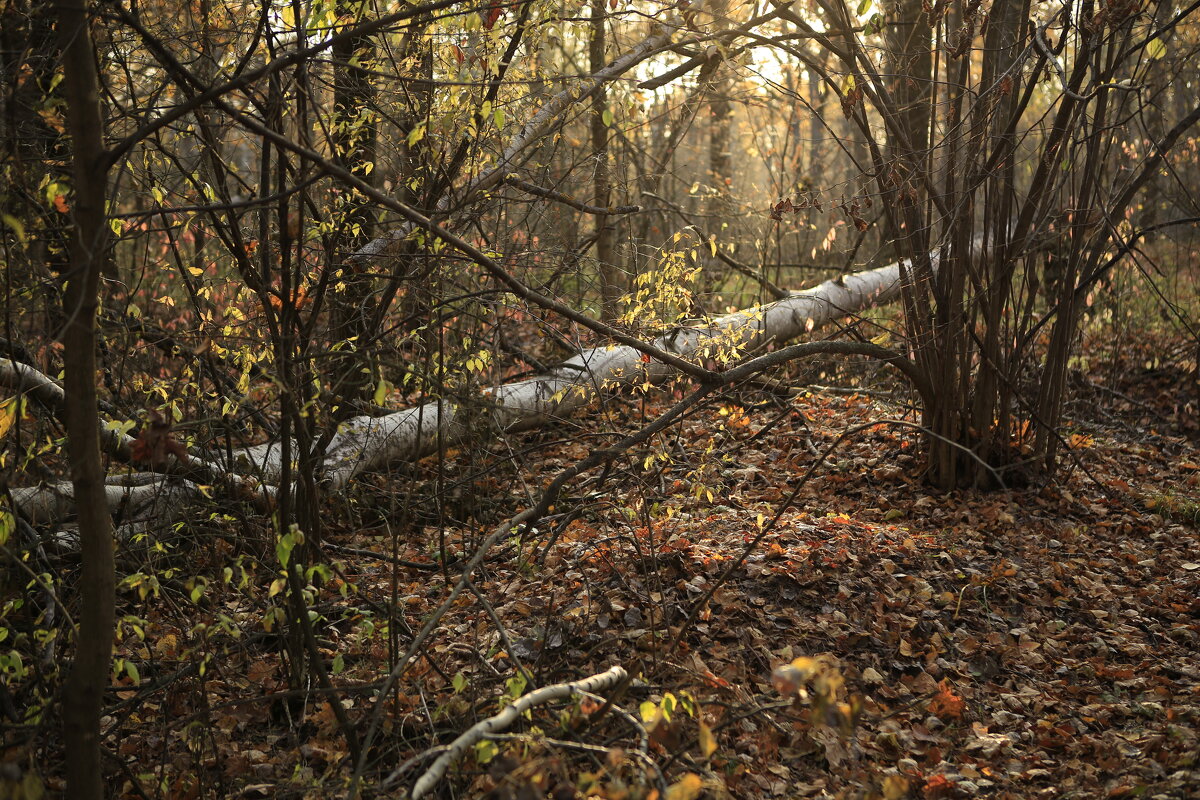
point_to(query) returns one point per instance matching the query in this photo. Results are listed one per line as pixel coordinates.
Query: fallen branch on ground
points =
(508, 716)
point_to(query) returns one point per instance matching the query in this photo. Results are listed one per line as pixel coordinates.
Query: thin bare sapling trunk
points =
(83, 692)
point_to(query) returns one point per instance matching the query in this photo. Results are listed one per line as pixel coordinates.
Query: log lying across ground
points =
(368, 443)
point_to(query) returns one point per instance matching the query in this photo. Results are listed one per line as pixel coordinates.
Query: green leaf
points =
(863, 7)
(17, 226)
(607, 118)
(1155, 48)
(132, 671)
(283, 549)
(459, 683)
(339, 664)
(382, 391)
(498, 114)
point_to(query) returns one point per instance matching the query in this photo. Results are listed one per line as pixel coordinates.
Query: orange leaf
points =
(60, 204)
(938, 786)
(946, 704)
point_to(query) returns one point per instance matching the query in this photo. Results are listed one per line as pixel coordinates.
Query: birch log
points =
(366, 443)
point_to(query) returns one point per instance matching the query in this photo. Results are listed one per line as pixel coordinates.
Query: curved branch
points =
(501, 721)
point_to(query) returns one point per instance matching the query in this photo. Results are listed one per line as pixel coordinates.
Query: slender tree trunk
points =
(909, 75)
(610, 274)
(720, 175)
(355, 131)
(992, 391)
(83, 692)
(909, 68)
(816, 139)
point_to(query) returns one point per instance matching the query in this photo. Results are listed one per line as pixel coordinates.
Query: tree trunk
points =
(610, 274)
(83, 693)
(354, 145)
(717, 205)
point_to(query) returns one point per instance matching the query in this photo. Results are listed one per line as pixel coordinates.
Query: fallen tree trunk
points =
(366, 443)
(141, 503)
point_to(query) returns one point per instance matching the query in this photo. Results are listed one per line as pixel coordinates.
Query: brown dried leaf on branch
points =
(156, 442)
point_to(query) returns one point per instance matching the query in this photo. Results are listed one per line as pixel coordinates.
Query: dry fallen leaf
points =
(688, 787)
(946, 704)
(708, 742)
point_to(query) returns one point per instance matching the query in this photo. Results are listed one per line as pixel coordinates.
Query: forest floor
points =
(1042, 641)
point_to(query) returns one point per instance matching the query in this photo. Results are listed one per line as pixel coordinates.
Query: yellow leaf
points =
(688, 787)
(807, 666)
(895, 787)
(8, 415)
(708, 742)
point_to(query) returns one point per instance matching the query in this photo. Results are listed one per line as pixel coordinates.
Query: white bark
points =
(24, 379)
(501, 721)
(143, 500)
(144, 503)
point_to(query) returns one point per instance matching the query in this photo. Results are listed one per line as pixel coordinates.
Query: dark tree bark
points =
(355, 131)
(83, 692)
(909, 66)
